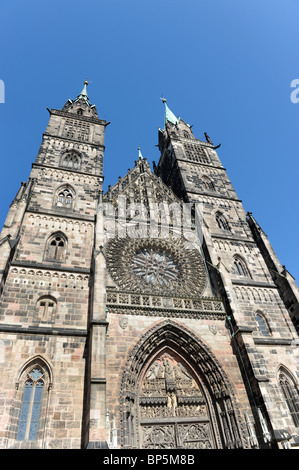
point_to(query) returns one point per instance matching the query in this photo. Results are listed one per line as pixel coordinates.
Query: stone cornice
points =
(91, 144)
(61, 215)
(79, 117)
(208, 165)
(50, 267)
(233, 238)
(220, 196)
(273, 341)
(250, 283)
(42, 330)
(60, 168)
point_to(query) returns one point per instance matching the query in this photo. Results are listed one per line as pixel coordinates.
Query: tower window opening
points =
(262, 324)
(291, 393)
(71, 160)
(240, 267)
(208, 184)
(222, 222)
(46, 308)
(56, 248)
(65, 198)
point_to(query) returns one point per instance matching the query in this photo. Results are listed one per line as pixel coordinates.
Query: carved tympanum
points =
(172, 409)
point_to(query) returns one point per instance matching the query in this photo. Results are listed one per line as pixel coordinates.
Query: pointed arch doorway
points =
(172, 407)
(175, 395)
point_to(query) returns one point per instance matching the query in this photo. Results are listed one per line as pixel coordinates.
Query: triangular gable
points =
(141, 185)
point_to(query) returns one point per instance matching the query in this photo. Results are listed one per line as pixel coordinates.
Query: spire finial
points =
(83, 93)
(169, 116)
(140, 157)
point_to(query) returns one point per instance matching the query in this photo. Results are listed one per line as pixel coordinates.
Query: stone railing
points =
(160, 305)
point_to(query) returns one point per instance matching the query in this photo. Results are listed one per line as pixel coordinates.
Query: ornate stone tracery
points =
(169, 404)
(156, 265)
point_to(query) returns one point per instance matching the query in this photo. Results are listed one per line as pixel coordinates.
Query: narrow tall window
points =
(291, 395)
(208, 184)
(221, 221)
(240, 267)
(262, 324)
(56, 248)
(31, 406)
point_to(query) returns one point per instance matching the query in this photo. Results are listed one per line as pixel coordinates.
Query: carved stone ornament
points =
(170, 403)
(213, 329)
(123, 322)
(156, 266)
(170, 392)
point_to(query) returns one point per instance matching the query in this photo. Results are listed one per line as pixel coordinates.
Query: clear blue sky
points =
(224, 66)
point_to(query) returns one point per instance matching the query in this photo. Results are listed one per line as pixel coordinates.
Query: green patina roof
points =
(140, 154)
(83, 95)
(169, 116)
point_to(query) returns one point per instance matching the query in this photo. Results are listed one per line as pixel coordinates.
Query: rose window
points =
(155, 268)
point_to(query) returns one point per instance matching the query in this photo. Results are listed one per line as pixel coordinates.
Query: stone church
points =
(153, 316)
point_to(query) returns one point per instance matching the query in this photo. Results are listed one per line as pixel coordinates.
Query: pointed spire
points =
(169, 116)
(83, 95)
(140, 157)
(84, 91)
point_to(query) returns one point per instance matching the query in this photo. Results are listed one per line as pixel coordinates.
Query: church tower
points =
(46, 252)
(260, 296)
(154, 316)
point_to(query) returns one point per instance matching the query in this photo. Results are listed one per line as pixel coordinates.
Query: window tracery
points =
(240, 267)
(31, 405)
(56, 247)
(71, 160)
(222, 222)
(65, 197)
(208, 184)
(291, 394)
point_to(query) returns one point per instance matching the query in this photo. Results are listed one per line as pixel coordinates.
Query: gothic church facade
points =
(122, 331)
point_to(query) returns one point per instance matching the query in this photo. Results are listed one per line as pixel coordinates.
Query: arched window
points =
(65, 197)
(208, 184)
(31, 405)
(263, 326)
(291, 394)
(46, 307)
(56, 247)
(241, 267)
(221, 221)
(71, 160)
